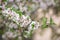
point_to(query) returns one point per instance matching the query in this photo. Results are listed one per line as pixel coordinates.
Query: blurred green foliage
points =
(44, 21)
(1, 32)
(32, 25)
(17, 11)
(51, 21)
(4, 0)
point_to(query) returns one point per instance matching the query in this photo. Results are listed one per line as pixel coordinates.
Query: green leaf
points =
(44, 20)
(16, 38)
(51, 21)
(1, 31)
(20, 13)
(12, 29)
(17, 11)
(6, 6)
(32, 25)
(31, 33)
(29, 8)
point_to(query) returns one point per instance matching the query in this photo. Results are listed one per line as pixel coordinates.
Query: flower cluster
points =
(33, 26)
(15, 24)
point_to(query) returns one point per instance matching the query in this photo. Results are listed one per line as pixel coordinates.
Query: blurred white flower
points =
(35, 24)
(15, 6)
(22, 18)
(19, 38)
(15, 15)
(9, 34)
(13, 25)
(25, 21)
(12, 15)
(27, 34)
(3, 36)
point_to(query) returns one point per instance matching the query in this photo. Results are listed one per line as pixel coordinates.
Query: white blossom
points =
(25, 21)
(15, 6)
(13, 25)
(36, 25)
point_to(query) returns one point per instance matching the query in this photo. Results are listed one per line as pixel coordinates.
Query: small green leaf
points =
(6, 6)
(1, 31)
(44, 20)
(20, 13)
(16, 38)
(51, 21)
(31, 33)
(32, 25)
(12, 29)
(17, 11)
(29, 8)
